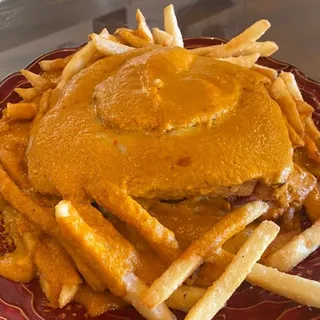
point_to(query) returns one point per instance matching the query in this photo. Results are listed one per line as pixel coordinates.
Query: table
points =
(29, 28)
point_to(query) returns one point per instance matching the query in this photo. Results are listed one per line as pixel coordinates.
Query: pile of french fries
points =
(170, 289)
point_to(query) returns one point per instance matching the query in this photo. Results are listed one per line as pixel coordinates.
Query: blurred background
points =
(29, 28)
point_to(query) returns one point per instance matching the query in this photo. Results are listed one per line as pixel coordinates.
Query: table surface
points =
(29, 28)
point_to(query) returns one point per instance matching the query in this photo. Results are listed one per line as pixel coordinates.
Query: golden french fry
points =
(104, 257)
(97, 303)
(280, 93)
(270, 73)
(311, 129)
(38, 215)
(276, 281)
(78, 62)
(296, 250)
(242, 41)
(312, 149)
(17, 265)
(135, 291)
(21, 110)
(185, 297)
(67, 218)
(131, 212)
(291, 84)
(296, 288)
(196, 253)
(312, 204)
(162, 37)
(38, 82)
(304, 108)
(54, 65)
(295, 139)
(109, 47)
(265, 49)
(280, 241)
(202, 51)
(129, 37)
(217, 295)
(143, 30)
(60, 278)
(90, 276)
(27, 94)
(171, 26)
(243, 61)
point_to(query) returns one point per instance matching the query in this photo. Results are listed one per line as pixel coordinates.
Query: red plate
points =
(20, 301)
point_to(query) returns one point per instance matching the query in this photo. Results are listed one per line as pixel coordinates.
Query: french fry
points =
(171, 26)
(97, 303)
(185, 297)
(296, 250)
(38, 82)
(202, 51)
(265, 49)
(295, 139)
(216, 296)
(61, 286)
(312, 149)
(54, 65)
(243, 61)
(78, 62)
(311, 129)
(143, 30)
(242, 41)
(38, 215)
(286, 285)
(161, 37)
(304, 108)
(115, 272)
(280, 241)
(292, 85)
(296, 288)
(270, 73)
(109, 47)
(17, 265)
(130, 38)
(280, 93)
(160, 238)
(27, 94)
(21, 110)
(90, 276)
(135, 291)
(312, 204)
(197, 252)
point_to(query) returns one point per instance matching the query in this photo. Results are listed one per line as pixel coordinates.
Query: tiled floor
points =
(31, 27)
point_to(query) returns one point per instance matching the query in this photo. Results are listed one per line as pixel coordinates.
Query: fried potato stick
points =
(162, 37)
(38, 82)
(27, 94)
(55, 64)
(20, 110)
(143, 30)
(160, 238)
(115, 270)
(171, 26)
(242, 41)
(217, 295)
(281, 94)
(243, 61)
(199, 249)
(296, 250)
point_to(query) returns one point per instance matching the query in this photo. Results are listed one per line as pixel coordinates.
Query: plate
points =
(26, 301)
